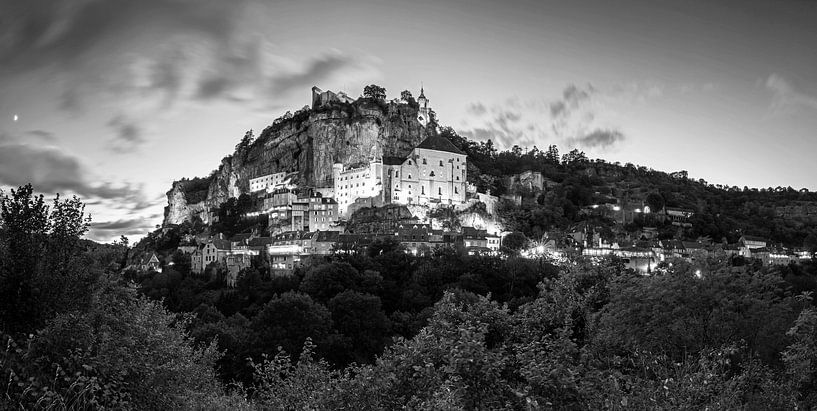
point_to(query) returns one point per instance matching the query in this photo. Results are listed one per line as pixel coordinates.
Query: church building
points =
(434, 173)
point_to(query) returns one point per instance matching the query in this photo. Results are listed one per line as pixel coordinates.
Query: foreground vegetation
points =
(383, 330)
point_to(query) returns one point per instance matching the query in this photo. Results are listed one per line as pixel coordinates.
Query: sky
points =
(112, 100)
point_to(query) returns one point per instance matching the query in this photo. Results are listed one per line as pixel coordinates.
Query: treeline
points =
(721, 212)
(384, 330)
(352, 306)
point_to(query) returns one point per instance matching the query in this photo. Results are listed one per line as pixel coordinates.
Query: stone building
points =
(357, 182)
(434, 173)
(264, 182)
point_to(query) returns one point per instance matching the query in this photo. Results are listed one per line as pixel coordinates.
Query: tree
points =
(362, 324)
(125, 352)
(324, 281)
(287, 321)
(41, 272)
(374, 91)
(406, 95)
(552, 154)
(655, 201)
(573, 157)
(514, 242)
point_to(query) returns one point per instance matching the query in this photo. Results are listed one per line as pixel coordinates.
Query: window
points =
(396, 174)
(456, 191)
(439, 190)
(422, 189)
(424, 161)
(458, 178)
(441, 163)
(409, 178)
(409, 163)
(432, 174)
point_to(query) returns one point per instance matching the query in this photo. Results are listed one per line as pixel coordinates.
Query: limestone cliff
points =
(308, 143)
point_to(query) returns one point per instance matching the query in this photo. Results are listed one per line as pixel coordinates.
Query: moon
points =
(16, 118)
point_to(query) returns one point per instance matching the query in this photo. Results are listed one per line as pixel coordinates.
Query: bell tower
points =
(423, 115)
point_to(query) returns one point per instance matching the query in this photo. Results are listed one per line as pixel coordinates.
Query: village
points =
(313, 221)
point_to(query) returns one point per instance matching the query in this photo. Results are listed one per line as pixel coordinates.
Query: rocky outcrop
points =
(178, 209)
(803, 210)
(308, 143)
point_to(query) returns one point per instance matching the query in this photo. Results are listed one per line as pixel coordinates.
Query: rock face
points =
(802, 210)
(179, 210)
(308, 143)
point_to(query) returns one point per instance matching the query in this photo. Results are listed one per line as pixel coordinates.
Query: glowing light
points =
(637, 210)
(616, 208)
(698, 273)
(16, 118)
(595, 206)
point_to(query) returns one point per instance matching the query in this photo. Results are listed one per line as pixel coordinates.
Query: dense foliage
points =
(382, 329)
(721, 212)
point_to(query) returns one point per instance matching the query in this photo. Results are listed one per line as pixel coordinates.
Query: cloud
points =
(45, 32)
(576, 118)
(111, 230)
(572, 98)
(42, 135)
(128, 135)
(597, 139)
(476, 109)
(316, 71)
(785, 96)
(49, 169)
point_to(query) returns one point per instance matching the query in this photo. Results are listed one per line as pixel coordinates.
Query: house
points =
(679, 216)
(475, 241)
(750, 245)
(322, 213)
(153, 263)
(415, 238)
(324, 242)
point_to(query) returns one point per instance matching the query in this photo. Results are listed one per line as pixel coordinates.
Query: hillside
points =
(573, 184)
(307, 144)
(567, 189)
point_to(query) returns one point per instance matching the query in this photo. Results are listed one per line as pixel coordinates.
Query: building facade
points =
(434, 173)
(353, 183)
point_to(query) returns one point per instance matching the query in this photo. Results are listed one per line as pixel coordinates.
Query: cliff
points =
(308, 143)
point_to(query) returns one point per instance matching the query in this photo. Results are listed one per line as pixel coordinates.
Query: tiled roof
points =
(440, 144)
(393, 161)
(260, 241)
(327, 236)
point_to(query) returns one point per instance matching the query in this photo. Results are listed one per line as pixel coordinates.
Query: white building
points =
(434, 173)
(267, 181)
(351, 184)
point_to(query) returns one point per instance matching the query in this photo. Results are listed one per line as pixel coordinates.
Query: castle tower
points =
(423, 115)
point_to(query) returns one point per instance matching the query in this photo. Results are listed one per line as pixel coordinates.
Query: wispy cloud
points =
(128, 136)
(43, 135)
(597, 139)
(50, 169)
(109, 230)
(785, 96)
(571, 120)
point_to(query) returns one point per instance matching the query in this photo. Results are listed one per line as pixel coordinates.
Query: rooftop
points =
(440, 144)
